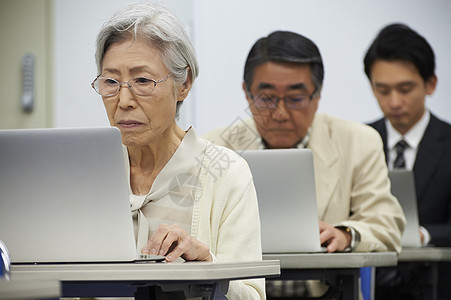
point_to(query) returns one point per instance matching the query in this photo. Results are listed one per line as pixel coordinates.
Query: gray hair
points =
(157, 26)
(285, 46)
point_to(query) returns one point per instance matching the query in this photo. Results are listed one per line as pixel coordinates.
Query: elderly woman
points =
(189, 198)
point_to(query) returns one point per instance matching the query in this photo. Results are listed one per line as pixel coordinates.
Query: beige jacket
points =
(351, 177)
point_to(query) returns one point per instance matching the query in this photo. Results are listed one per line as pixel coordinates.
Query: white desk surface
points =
(29, 289)
(429, 254)
(188, 271)
(334, 260)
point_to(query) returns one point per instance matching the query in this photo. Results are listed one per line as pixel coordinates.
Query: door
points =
(25, 28)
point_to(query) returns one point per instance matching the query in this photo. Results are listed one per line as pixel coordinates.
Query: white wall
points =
(342, 29)
(224, 31)
(76, 26)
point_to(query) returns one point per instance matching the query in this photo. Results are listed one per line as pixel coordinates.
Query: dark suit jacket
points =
(432, 171)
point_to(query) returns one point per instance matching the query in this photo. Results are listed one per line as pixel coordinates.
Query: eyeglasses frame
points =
(309, 97)
(155, 82)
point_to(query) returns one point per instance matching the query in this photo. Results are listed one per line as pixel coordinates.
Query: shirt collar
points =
(412, 137)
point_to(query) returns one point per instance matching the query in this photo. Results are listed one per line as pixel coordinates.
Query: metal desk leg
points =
(349, 285)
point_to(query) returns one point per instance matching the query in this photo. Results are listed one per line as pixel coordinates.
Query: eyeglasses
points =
(141, 86)
(270, 102)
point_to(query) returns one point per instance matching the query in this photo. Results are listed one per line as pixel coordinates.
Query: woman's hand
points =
(174, 242)
(333, 238)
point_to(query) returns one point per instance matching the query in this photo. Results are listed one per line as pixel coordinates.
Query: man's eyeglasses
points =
(265, 101)
(141, 86)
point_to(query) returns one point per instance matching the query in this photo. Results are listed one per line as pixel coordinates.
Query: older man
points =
(283, 77)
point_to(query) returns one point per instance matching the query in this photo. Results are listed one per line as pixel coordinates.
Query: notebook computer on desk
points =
(64, 196)
(285, 184)
(403, 188)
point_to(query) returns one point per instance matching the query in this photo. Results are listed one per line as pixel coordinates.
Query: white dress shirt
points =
(412, 137)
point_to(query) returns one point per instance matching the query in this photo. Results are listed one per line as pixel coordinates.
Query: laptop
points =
(64, 196)
(285, 184)
(403, 188)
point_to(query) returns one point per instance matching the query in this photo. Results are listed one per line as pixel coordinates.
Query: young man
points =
(400, 65)
(283, 78)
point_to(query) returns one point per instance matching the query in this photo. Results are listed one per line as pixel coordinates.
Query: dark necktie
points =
(400, 162)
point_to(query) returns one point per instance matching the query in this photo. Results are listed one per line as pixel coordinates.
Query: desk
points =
(194, 279)
(340, 270)
(29, 289)
(426, 260)
(425, 254)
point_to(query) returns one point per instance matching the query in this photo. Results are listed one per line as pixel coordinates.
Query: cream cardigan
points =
(225, 211)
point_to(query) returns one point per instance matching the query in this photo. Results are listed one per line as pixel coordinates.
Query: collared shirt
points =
(412, 137)
(302, 144)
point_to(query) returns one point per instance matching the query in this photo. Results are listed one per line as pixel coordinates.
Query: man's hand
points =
(174, 242)
(333, 238)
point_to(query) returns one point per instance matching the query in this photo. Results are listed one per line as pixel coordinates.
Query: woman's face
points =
(142, 120)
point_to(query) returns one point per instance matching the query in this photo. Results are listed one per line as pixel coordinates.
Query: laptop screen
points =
(285, 184)
(403, 188)
(64, 196)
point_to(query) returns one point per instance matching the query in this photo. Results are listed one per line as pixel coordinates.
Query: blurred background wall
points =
(222, 33)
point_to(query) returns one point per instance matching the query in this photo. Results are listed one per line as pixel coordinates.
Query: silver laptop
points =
(285, 184)
(64, 196)
(403, 188)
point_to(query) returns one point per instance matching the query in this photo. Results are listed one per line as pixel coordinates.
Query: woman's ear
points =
(184, 89)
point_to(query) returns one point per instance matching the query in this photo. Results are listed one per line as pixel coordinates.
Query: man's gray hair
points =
(285, 47)
(156, 25)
